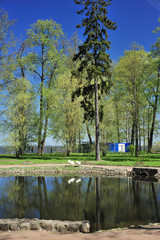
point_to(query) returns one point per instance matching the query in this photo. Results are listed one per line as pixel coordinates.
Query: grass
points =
(114, 159)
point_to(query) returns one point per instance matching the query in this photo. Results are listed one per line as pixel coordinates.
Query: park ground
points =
(141, 233)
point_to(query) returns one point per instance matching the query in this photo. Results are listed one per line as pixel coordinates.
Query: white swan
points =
(78, 162)
(79, 180)
(71, 180)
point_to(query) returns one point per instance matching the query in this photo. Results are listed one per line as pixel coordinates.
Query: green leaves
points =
(92, 53)
(44, 32)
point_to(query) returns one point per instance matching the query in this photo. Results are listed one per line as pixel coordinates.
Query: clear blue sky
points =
(136, 19)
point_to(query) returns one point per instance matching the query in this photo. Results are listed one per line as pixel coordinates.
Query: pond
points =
(106, 202)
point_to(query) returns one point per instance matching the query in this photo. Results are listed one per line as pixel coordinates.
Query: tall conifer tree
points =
(93, 57)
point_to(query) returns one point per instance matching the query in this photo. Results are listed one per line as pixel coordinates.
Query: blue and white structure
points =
(118, 147)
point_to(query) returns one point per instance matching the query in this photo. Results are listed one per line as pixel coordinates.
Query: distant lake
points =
(33, 149)
(106, 202)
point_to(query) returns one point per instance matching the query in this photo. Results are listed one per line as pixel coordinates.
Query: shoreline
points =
(145, 173)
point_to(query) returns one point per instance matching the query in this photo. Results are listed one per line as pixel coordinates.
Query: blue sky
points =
(136, 19)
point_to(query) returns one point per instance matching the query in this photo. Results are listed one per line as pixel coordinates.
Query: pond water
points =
(105, 202)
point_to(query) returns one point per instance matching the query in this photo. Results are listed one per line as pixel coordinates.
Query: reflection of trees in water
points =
(155, 201)
(16, 197)
(106, 202)
(66, 199)
(98, 202)
(43, 197)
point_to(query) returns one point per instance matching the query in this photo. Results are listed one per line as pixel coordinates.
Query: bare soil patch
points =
(11, 160)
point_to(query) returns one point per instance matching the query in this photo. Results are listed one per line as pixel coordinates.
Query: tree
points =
(94, 59)
(6, 57)
(155, 53)
(152, 84)
(108, 123)
(6, 35)
(129, 72)
(66, 120)
(46, 62)
(18, 116)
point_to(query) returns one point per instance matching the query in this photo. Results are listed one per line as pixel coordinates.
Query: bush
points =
(131, 149)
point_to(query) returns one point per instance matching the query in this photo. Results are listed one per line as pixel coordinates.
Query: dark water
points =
(105, 202)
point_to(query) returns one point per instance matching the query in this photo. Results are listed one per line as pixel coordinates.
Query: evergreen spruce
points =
(93, 58)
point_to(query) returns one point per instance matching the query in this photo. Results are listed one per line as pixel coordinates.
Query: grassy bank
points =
(116, 159)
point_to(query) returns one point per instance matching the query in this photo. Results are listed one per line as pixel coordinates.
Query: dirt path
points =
(144, 233)
(58, 165)
(83, 165)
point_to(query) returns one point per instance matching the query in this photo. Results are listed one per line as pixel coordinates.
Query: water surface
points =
(105, 202)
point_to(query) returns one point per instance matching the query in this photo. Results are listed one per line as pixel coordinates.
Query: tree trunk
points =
(44, 135)
(68, 147)
(132, 133)
(135, 115)
(17, 153)
(79, 144)
(117, 122)
(148, 128)
(144, 136)
(97, 135)
(140, 139)
(127, 130)
(39, 150)
(136, 149)
(150, 142)
(103, 145)
(89, 135)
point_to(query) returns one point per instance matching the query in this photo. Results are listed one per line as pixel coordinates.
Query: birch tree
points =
(46, 58)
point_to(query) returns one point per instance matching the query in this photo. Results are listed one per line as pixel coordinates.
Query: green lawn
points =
(115, 159)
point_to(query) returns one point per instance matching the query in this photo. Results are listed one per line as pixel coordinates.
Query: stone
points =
(34, 226)
(14, 226)
(85, 227)
(24, 226)
(145, 171)
(4, 226)
(61, 227)
(73, 227)
(47, 225)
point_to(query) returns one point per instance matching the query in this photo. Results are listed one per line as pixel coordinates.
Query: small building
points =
(118, 147)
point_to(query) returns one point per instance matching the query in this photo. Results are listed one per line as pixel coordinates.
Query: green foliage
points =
(18, 117)
(94, 60)
(7, 42)
(129, 89)
(66, 120)
(131, 149)
(6, 34)
(46, 63)
(156, 47)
